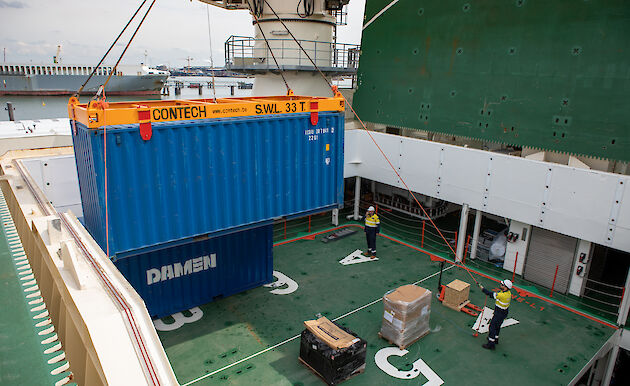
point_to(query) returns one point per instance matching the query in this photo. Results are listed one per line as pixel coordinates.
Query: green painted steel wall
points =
(547, 74)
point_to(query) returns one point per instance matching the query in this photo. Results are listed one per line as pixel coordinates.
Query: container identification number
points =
(313, 134)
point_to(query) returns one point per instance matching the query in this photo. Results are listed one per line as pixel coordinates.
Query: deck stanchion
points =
(554, 281)
(285, 228)
(466, 249)
(422, 241)
(455, 243)
(309, 223)
(514, 270)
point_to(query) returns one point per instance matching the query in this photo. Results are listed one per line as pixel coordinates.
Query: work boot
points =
(366, 254)
(488, 346)
(496, 341)
(373, 256)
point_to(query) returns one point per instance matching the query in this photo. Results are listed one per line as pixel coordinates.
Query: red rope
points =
(481, 318)
(334, 88)
(106, 178)
(104, 105)
(407, 187)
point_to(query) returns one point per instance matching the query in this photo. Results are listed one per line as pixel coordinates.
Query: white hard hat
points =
(371, 209)
(507, 283)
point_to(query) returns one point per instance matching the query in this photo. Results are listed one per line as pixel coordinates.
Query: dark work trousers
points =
(370, 235)
(495, 324)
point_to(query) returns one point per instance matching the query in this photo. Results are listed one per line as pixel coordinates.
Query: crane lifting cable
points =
(300, 45)
(375, 143)
(127, 46)
(100, 100)
(214, 91)
(76, 94)
(256, 10)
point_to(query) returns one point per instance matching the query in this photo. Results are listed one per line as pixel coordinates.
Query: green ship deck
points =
(29, 351)
(253, 337)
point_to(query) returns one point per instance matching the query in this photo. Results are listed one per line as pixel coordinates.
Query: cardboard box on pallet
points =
(456, 294)
(334, 352)
(406, 316)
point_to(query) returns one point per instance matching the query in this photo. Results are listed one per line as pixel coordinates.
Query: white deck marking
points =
(283, 280)
(419, 367)
(180, 320)
(356, 257)
(296, 336)
(485, 323)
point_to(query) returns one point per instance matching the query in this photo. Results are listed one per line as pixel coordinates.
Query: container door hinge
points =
(314, 113)
(144, 117)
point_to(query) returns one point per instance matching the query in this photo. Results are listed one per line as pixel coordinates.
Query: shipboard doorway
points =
(548, 250)
(606, 278)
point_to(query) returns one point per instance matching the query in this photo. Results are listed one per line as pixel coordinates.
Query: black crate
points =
(333, 366)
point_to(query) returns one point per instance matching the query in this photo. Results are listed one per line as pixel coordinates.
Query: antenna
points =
(57, 57)
(188, 59)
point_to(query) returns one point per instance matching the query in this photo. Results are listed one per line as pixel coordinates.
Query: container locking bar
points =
(144, 118)
(314, 113)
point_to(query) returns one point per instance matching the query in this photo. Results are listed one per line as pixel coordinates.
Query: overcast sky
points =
(30, 30)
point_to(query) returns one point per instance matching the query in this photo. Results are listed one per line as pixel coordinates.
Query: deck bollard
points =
(10, 109)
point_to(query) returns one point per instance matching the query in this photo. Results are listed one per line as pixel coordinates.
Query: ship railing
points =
(341, 16)
(249, 54)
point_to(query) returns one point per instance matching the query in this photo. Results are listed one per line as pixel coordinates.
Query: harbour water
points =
(41, 107)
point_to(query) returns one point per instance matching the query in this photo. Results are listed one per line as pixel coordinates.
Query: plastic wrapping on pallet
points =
(406, 315)
(333, 365)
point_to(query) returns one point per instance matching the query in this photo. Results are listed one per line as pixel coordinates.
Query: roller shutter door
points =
(546, 251)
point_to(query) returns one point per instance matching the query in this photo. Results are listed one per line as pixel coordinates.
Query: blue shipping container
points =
(196, 177)
(178, 278)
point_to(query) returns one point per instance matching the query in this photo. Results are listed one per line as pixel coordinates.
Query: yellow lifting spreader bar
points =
(95, 114)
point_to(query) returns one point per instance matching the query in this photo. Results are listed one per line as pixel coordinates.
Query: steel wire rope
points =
(308, 8)
(490, 266)
(606, 284)
(127, 46)
(601, 301)
(300, 45)
(444, 231)
(214, 91)
(375, 143)
(76, 94)
(599, 309)
(415, 231)
(267, 42)
(104, 107)
(412, 219)
(415, 227)
(603, 293)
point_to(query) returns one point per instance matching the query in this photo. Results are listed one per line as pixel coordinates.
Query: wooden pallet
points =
(407, 345)
(355, 373)
(457, 307)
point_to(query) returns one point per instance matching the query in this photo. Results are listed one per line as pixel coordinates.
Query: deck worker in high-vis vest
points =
(372, 228)
(501, 305)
